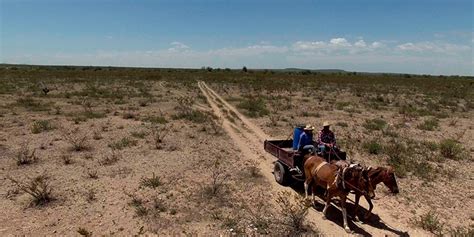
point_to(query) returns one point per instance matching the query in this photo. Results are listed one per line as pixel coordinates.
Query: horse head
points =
(389, 180)
(366, 182)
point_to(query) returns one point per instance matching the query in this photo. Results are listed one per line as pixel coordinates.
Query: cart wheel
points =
(280, 173)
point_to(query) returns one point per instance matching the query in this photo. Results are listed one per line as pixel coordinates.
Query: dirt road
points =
(249, 139)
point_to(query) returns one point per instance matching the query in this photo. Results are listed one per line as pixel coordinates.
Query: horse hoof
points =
(348, 230)
(325, 218)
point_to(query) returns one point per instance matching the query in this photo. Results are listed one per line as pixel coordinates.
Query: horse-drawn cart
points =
(290, 161)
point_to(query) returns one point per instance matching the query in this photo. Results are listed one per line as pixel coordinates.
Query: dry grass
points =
(76, 138)
(25, 155)
(38, 188)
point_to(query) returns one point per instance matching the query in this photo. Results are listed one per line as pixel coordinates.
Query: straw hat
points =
(326, 124)
(308, 127)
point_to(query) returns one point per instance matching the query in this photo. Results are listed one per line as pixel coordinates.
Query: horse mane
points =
(374, 172)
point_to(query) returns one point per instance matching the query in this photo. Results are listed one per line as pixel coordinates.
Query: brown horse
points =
(336, 181)
(378, 175)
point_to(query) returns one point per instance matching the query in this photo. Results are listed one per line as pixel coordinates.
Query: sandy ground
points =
(117, 203)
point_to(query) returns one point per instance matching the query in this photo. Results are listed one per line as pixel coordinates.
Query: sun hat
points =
(326, 123)
(308, 127)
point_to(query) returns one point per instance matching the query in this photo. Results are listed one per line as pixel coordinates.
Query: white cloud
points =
(178, 46)
(340, 42)
(433, 47)
(336, 46)
(360, 43)
(305, 45)
(376, 45)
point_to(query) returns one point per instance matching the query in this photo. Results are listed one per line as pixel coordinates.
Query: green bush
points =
(375, 124)
(122, 143)
(155, 119)
(41, 126)
(451, 149)
(151, 182)
(429, 124)
(373, 147)
(254, 107)
(32, 104)
(430, 222)
(194, 116)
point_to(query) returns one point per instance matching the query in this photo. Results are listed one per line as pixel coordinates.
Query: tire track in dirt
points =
(249, 138)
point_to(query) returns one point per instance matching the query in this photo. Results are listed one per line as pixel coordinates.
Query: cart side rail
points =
(286, 157)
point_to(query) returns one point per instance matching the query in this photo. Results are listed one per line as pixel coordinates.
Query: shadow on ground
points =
(335, 215)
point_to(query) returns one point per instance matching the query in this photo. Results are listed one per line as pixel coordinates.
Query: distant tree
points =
(227, 69)
(244, 69)
(209, 69)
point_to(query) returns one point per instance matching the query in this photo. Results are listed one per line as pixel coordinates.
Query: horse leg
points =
(328, 201)
(367, 215)
(313, 190)
(307, 184)
(344, 213)
(357, 198)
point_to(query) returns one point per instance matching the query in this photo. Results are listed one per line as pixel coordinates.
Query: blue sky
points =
(407, 36)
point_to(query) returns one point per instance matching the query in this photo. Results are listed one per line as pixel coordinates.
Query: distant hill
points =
(312, 70)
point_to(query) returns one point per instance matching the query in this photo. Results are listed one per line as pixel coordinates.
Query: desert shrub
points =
(32, 104)
(84, 232)
(76, 138)
(293, 209)
(39, 188)
(93, 115)
(429, 124)
(422, 169)
(90, 195)
(67, 159)
(137, 203)
(41, 126)
(375, 124)
(96, 135)
(254, 171)
(451, 149)
(129, 115)
(159, 205)
(123, 143)
(390, 131)
(433, 146)
(195, 116)
(111, 158)
(155, 119)
(372, 147)
(341, 105)
(462, 231)
(342, 124)
(139, 134)
(254, 107)
(218, 178)
(158, 134)
(214, 126)
(409, 157)
(92, 174)
(430, 222)
(152, 182)
(397, 158)
(25, 156)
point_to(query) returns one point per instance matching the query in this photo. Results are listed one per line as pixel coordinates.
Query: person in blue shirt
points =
(305, 146)
(306, 140)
